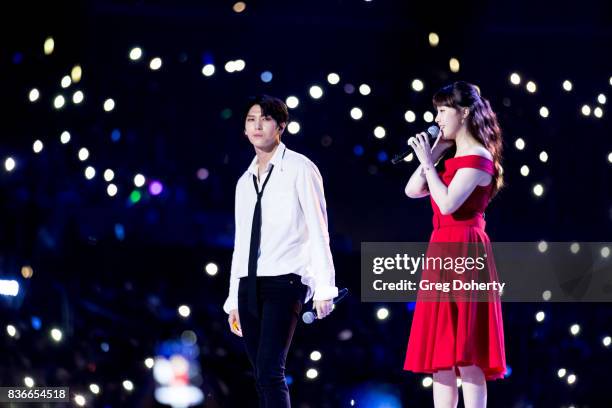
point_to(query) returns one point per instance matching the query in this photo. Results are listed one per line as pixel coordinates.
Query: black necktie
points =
(254, 248)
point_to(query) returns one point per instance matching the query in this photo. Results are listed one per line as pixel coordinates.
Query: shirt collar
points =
(277, 157)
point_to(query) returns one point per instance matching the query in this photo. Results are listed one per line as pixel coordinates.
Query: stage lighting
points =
(605, 252)
(94, 388)
(427, 382)
(239, 64)
(29, 382)
(574, 248)
(598, 112)
(515, 79)
(544, 112)
(524, 170)
(567, 85)
(11, 330)
(149, 362)
(211, 268)
(601, 98)
(79, 400)
(575, 329)
(540, 316)
(128, 385)
(380, 132)
(543, 156)
(542, 246)
(239, 7)
(561, 372)
(428, 117)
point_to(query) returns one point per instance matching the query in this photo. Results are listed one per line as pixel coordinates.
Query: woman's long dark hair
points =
(481, 121)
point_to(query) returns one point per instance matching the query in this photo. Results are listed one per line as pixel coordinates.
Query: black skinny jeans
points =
(267, 338)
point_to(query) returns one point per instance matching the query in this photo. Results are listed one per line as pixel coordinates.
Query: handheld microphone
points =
(432, 132)
(311, 315)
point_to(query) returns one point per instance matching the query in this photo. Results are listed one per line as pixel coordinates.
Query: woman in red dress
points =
(454, 337)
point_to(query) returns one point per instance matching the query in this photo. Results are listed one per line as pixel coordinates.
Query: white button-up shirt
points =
(294, 236)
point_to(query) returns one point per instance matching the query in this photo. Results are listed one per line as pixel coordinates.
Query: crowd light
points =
(9, 164)
(543, 156)
(428, 117)
(109, 105)
(155, 64)
(33, 95)
(454, 65)
(312, 373)
(49, 46)
(128, 385)
(544, 112)
(519, 143)
(417, 85)
(77, 97)
(292, 102)
(434, 39)
(66, 82)
(135, 53)
(382, 313)
(58, 102)
(567, 85)
(184, 311)
(409, 116)
(76, 74)
(356, 113)
(333, 78)
(575, 329)
(111, 190)
(90, 173)
(239, 7)
(65, 137)
(524, 170)
(293, 127)
(109, 175)
(380, 132)
(598, 112)
(83, 154)
(538, 190)
(139, 180)
(515, 79)
(211, 268)
(315, 92)
(586, 110)
(208, 70)
(56, 335)
(365, 89)
(531, 87)
(601, 98)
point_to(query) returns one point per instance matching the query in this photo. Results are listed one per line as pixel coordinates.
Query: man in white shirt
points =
(281, 252)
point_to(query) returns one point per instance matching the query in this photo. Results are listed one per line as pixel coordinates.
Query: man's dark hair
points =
(270, 106)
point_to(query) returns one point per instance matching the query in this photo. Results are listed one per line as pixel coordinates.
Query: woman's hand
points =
(234, 322)
(422, 149)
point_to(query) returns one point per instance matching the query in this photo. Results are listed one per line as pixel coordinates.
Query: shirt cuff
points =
(230, 304)
(325, 293)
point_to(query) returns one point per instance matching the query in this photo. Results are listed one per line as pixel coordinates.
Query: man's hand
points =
(234, 322)
(323, 307)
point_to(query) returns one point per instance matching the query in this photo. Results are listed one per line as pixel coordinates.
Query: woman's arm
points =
(449, 199)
